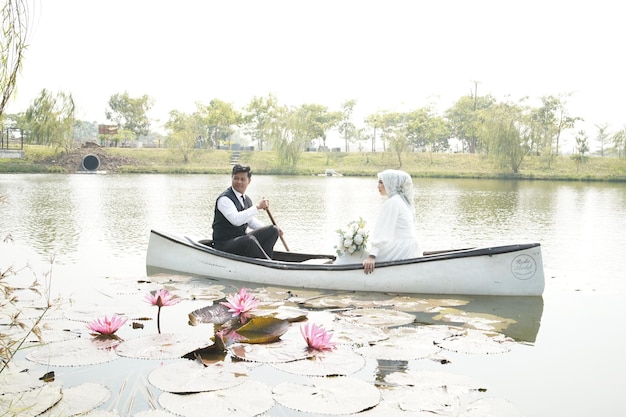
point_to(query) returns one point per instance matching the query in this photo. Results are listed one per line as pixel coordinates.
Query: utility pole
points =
(475, 93)
(374, 137)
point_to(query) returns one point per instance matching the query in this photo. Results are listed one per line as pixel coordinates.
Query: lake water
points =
(569, 360)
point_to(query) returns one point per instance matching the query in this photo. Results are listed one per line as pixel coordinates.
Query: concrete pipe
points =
(91, 162)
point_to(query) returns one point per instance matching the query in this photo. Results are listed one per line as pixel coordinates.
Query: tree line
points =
(505, 131)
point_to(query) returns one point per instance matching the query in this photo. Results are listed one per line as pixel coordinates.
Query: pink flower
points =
(107, 326)
(241, 304)
(317, 337)
(161, 298)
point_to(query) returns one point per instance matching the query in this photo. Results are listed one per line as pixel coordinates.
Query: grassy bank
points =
(143, 160)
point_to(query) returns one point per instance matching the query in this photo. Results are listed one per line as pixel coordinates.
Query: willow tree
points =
(619, 142)
(51, 119)
(289, 132)
(13, 43)
(506, 134)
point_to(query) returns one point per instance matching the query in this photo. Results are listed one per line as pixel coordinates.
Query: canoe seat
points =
(317, 261)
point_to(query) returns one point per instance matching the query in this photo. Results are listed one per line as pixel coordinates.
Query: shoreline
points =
(39, 160)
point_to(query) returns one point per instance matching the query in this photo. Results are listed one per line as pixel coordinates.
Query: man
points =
(235, 214)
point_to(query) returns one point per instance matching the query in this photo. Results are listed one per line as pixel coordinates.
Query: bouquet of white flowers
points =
(353, 238)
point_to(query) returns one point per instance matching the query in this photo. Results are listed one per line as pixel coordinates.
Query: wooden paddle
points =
(269, 213)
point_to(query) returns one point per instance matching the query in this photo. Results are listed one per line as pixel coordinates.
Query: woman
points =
(394, 237)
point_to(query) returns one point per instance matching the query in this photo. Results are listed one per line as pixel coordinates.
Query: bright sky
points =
(387, 54)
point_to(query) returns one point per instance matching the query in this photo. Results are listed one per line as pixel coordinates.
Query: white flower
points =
(353, 238)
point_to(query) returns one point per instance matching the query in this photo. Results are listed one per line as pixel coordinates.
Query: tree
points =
(293, 128)
(426, 130)
(552, 118)
(261, 111)
(398, 143)
(289, 132)
(318, 121)
(85, 131)
(619, 142)
(464, 119)
(602, 137)
(51, 120)
(346, 127)
(219, 117)
(582, 147)
(506, 133)
(374, 121)
(390, 124)
(185, 132)
(14, 15)
(130, 113)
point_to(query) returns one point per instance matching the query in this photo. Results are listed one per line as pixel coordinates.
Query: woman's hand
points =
(369, 264)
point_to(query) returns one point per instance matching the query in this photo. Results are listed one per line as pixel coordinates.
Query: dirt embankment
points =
(73, 161)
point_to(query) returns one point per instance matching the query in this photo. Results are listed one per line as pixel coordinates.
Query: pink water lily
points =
(161, 298)
(107, 326)
(241, 304)
(317, 337)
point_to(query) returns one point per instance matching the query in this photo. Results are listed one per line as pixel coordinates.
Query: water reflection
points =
(104, 220)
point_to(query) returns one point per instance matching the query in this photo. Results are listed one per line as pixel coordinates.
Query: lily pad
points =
(79, 400)
(341, 395)
(191, 376)
(424, 305)
(456, 384)
(32, 402)
(160, 346)
(357, 334)
(151, 413)
(77, 352)
(344, 332)
(262, 330)
(405, 343)
(281, 351)
(491, 407)
(338, 362)
(214, 314)
(224, 403)
(18, 380)
(291, 314)
(379, 317)
(435, 400)
(476, 341)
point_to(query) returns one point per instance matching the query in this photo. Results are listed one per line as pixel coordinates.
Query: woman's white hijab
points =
(398, 182)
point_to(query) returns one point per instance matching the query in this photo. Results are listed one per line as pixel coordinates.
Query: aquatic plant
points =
(241, 304)
(161, 298)
(107, 326)
(317, 337)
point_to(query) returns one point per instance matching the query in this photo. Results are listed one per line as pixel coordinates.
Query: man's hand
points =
(263, 204)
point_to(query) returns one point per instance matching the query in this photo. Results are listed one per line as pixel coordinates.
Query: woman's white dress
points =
(394, 235)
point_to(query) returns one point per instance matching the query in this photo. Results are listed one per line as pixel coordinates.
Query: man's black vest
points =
(224, 230)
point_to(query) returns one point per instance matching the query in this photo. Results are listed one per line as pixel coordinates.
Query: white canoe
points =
(501, 270)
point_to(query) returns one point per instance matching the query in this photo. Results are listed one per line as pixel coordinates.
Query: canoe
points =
(515, 270)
